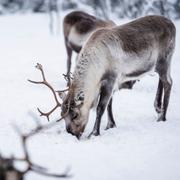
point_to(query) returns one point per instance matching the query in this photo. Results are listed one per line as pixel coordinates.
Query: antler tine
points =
(61, 93)
(47, 114)
(65, 114)
(68, 79)
(58, 104)
(62, 117)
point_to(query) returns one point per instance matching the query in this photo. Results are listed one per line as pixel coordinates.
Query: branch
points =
(31, 166)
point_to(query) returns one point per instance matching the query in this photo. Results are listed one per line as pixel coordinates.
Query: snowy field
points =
(139, 148)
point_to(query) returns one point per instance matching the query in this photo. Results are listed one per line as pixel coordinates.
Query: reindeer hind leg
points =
(111, 123)
(165, 85)
(158, 99)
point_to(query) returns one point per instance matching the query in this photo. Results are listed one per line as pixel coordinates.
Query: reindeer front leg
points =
(105, 97)
(69, 55)
(111, 123)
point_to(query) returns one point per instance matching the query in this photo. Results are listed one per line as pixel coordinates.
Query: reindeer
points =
(78, 26)
(8, 169)
(115, 56)
(61, 93)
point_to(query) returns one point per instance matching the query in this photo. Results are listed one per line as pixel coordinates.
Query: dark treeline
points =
(105, 8)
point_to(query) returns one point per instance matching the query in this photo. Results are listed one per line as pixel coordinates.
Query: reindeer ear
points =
(79, 98)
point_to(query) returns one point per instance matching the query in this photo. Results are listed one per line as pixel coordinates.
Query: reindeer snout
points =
(68, 129)
(76, 133)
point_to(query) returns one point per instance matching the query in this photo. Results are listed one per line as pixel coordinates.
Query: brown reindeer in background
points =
(77, 27)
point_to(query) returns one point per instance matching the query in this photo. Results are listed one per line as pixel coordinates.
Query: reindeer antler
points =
(59, 92)
(31, 166)
(68, 77)
(44, 81)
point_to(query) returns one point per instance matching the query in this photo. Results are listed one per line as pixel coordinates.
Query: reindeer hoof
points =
(94, 133)
(161, 118)
(109, 126)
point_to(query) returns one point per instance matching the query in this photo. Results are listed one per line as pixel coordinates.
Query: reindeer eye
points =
(74, 115)
(80, 98)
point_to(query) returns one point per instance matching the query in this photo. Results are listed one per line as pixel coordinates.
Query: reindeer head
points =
(75, 107)
(74, 112)
(72, 109)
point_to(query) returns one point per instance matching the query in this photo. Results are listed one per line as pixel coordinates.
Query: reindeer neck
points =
(87, 75)
(81, 75)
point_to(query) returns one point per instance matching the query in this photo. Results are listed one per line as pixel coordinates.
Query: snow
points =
(139, 148)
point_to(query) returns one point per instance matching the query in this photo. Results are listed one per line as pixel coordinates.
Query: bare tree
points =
(100, 8)
(54, 16)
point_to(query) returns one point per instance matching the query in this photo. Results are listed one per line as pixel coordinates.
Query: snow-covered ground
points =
(139, 148)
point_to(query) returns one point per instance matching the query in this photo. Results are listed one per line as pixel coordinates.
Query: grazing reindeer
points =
(60, 93)
(78, 26)
(112, 57)
(8, 169)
